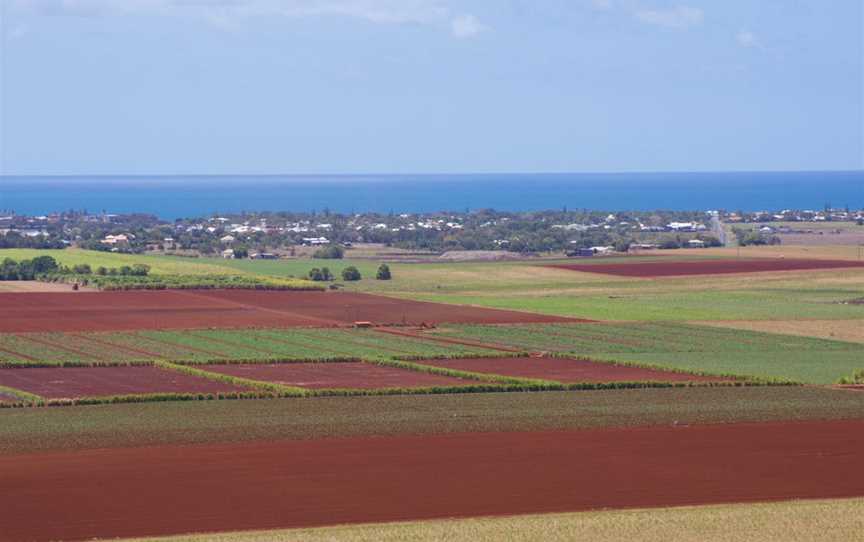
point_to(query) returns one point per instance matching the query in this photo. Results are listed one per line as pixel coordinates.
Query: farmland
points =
(286, 381)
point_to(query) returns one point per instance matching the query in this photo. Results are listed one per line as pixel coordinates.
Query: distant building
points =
(228, 254)
(315, 241)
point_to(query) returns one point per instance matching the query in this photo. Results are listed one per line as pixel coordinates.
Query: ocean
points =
(172, 197)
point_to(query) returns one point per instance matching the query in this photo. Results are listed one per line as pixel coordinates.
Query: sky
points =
(101, 87)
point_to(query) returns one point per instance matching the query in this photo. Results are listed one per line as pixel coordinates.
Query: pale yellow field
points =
(842, 330)
(828, 252)
(828, 520)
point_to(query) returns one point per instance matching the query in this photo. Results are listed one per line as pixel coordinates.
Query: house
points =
(228, 254)
(696, 243)
(315, 241)
(117, 241)
(227, 239)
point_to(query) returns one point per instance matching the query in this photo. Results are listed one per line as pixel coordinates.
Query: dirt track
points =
(167, 309)
(152, 491)
(707, 267)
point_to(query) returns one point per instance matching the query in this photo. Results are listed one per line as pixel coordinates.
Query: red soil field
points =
(174, 309)
(706, 267)
(338, 375)
(72, 382)
(206, 488)
(565, 370)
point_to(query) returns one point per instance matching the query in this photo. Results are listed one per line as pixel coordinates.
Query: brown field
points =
(839, 330)
(565, 370)
(207, 488)
(74, 382)
(25, 286)
(708, 267)
(355, 375)
(173, 309)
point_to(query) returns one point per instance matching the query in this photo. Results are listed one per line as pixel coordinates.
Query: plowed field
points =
(173, 309)
(164, 490)
(338, 375)
(72, 382)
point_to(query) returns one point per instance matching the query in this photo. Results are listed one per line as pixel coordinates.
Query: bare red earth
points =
(172, 309)
(338, 375)
(706, 267)
(72, 382)
(565, 370)
(169, 490)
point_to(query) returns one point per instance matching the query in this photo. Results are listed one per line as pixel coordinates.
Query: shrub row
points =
(180, 282)
(856, 378)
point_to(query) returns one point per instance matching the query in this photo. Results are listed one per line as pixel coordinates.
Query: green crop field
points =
(205, 346)
(683, 347)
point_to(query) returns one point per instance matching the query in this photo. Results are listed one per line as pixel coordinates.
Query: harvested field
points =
(838, 330)
(75, 382)
(354, 375)
(564, 370)
(708, 267)
(166, 309)
(121, 492)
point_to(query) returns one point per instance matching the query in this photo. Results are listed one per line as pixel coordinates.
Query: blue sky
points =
(430, 86)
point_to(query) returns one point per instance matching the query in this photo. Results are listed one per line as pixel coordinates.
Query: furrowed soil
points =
(708, 267)
(565, 370)
(74, 382)
(122, 492)
(172, 309)
(354, 375)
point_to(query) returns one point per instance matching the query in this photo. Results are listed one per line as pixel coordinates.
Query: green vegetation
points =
(684, 347)
(790, 521)
(351, 273)
(215, 346)
(812, 367)
(332, 252)
(383, 272)
(105, 426)
(27, 269)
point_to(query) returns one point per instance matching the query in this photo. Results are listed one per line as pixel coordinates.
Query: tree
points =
(351, 273)
(333, 252)
(315, 274)
(383, 272)
(44, 264)
(326, 274)
(101, 271)
(82, 269)
(240, 253)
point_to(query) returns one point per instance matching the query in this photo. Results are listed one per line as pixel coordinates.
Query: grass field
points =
(146, 424)
(678, 346)
(203, 346)
(804, 521)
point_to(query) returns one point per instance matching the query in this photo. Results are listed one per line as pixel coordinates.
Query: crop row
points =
(639, 338)
(181, 282)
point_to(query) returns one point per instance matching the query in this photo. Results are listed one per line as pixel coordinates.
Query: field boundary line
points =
(280, 390)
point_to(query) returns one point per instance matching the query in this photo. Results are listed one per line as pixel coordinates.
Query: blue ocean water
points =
(188, 196)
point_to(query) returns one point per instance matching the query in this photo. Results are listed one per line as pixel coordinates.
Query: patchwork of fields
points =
(608, 351)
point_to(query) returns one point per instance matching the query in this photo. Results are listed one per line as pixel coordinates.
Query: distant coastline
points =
(171, 197)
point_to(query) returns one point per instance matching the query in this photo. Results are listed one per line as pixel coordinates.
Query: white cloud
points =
(748, 40)
(677, 17)
(466, 26)
(226, 13)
